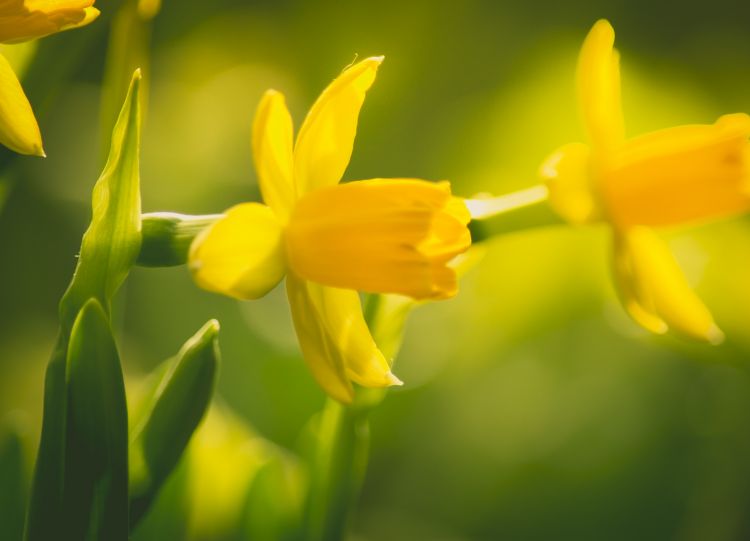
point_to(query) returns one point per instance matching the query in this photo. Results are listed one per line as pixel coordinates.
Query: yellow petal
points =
(636, 298)
(598, 79)
(681, 174)
(18, 128)
(325, 140)
(335, 340)
(661, 289)
(380, 236)
(568, 175)
(20, 21)
(272, 152)
(241, 255)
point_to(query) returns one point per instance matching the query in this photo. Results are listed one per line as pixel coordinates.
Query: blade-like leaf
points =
(111, 244)
(108, 251)
(95, 498)
(179, 404)
(12, 485)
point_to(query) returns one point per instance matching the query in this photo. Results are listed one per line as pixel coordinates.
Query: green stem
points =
(338, 469)
(167, 237)
(510, 213)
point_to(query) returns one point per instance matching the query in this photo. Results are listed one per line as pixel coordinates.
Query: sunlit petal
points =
(272, 152)
(681, 174)
(325, 140)
(28, 19)
(384, 236)
(599, 88)
(335, 340)
(18, 128)
(636, 299)
(241, 255)
(661, 288)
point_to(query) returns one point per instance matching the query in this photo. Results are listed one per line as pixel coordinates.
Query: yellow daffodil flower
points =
(664, 178)
(21, 20)
(330, 239)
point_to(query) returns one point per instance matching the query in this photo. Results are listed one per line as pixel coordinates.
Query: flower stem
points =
(510, 213)
(167, 237)
(338, 469)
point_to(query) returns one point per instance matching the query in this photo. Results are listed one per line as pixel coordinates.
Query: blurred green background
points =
(533, 408)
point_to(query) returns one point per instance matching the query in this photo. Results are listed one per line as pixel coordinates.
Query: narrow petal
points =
(326, 138)
(241, 255)
(598, 78)
(20, 21)
(661, 290)
(380, 236)
(635, 298)
(18, 128)
(681, 174)
(272, 152)
(335, 340)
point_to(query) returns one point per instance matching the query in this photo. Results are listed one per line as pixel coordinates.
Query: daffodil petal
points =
(635, 298)
(380, 236)
(272, 152)
(18, 128)
(598, 78)
(326, 138)
(659, 280)
(335, 340)
(241, 255)
(20, 21)
(681, 174)
(567, 173)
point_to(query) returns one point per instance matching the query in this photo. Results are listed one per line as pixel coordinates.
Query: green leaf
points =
(111, 244)
(108, 251)
(12, 485)
(95, 498)
(179, 404)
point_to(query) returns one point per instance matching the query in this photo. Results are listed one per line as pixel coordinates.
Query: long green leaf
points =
(108, 251)
(96, 490)
(179, 404)
(111, 244)
(12, 485)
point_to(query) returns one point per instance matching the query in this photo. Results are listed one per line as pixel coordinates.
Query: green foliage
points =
(177, 407)
(338, 463)
(111, 244)
(95, 498)
(273, 502)
(108, 251)
(12, 483)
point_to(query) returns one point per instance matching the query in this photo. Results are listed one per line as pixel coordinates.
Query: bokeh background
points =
(533, 408)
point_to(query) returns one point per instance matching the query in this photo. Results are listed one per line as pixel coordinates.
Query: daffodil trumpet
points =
(330, 240)
(675, 176)
(22, 20)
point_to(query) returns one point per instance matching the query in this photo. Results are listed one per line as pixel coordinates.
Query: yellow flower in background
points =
(663, 178)
(21, 20)
(330, 240)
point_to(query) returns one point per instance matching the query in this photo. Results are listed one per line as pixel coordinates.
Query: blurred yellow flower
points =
(668, 177)
(330, 240)
(21, 20)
